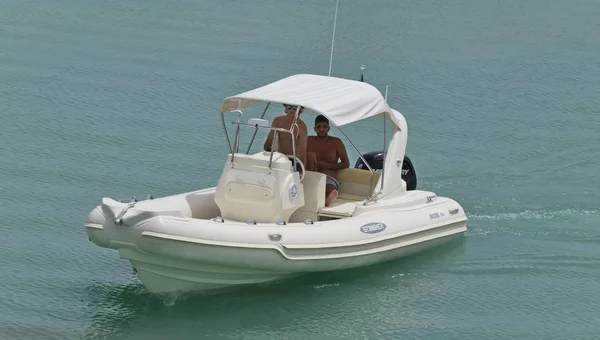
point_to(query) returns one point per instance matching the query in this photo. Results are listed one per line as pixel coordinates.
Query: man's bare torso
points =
(326, 149)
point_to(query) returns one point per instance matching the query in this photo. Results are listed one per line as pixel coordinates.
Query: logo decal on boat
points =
(373, 227)
(293, 191)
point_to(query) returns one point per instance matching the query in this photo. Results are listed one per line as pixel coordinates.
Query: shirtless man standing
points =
(328, 150)
(285, 142)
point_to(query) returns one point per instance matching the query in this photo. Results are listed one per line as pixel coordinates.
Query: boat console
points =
(260, 188)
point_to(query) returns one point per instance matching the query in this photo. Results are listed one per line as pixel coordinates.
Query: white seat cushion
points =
(339, 208)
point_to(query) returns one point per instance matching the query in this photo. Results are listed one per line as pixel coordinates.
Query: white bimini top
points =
(342, 101)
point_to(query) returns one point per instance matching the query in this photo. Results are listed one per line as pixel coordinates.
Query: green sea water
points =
(120, 98)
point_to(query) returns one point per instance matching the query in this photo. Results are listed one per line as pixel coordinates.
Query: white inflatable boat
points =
(266, 217)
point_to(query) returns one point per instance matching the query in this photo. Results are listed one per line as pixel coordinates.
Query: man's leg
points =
(331, 193)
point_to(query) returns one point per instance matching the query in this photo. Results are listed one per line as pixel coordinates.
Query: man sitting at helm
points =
(328, 150)
(285, 142)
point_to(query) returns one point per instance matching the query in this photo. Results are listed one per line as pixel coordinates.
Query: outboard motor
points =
(375, 160)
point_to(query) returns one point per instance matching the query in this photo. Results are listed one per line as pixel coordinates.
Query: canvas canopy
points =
(342, 101)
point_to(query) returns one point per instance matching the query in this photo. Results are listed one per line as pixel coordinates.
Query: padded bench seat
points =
(354, 183)
(350, 197)
(340, 208)
(353, 190)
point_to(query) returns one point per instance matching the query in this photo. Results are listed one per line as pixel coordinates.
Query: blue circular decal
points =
(293, 191)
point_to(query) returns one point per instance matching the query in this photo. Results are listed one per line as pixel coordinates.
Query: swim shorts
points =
(332, 181)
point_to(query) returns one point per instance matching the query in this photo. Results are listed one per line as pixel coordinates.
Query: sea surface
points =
(120, 99)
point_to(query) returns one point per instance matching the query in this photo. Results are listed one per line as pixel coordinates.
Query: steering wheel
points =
(298, 161)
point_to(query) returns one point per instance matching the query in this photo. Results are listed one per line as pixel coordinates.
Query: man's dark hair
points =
(321, 119)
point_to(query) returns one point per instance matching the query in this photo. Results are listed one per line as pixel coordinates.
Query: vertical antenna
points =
(362, 77)
(333, 38)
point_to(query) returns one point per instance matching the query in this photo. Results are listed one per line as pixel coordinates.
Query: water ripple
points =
(536, 215)
(121, 98)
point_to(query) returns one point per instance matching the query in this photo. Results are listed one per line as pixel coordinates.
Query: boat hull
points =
(172, 252)
(162, 276)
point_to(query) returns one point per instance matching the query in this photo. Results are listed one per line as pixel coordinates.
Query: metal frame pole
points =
(256, 130)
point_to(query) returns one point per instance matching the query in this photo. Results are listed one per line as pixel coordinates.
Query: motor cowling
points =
(375, 160)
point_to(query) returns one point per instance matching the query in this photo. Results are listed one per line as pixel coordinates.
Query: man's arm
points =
(310, 147)
(341, 149)
(311, 155)
(271, 134)
(302, 142)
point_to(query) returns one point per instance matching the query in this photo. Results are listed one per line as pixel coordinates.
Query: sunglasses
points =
(293, 107)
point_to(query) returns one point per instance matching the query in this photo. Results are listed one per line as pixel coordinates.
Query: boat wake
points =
(566, 225)
(535, 215)
(325, 286)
